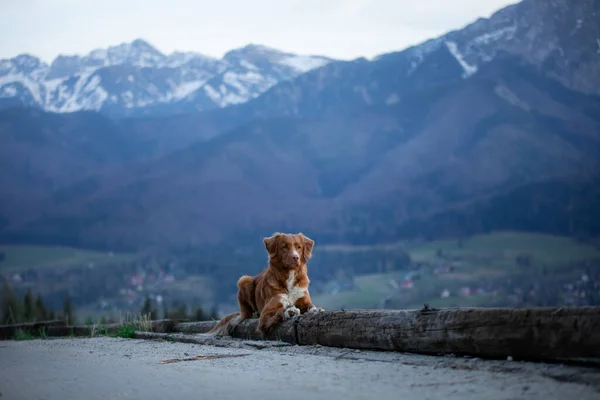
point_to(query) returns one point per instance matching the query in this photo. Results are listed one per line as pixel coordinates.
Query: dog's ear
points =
(308, 245)
(271, 244)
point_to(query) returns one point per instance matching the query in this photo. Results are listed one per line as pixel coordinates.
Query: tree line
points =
(30, 308)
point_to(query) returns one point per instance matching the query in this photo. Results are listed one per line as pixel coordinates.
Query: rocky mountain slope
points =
(568, 205)
(559, 38)
(351, 150)
(42, 152)
(338, 176)
(568, 34)
(136, 79)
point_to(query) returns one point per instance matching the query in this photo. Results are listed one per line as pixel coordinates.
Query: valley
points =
(500, 269)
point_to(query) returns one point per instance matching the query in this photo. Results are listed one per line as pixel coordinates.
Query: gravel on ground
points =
(117, 368)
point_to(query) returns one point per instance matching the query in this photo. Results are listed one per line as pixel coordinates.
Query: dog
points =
(280, 291)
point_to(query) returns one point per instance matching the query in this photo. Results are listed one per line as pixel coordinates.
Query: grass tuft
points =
(21, 334)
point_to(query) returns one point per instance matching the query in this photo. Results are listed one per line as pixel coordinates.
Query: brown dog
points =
(279, 292)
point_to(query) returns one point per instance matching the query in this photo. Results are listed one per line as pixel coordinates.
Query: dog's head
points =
(288, 250)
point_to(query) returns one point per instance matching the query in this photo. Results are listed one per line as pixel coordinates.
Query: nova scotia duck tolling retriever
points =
(279, 292)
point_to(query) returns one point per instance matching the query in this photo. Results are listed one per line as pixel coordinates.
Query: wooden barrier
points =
(158, 326)
(531, 333)
(9, 331)
(58, 328)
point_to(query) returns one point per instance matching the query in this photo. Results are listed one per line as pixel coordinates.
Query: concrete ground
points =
(114, 368)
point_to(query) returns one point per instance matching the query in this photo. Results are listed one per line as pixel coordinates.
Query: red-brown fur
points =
(278, 292)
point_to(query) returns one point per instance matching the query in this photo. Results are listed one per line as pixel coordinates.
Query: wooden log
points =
(158, 326)
(64, 331)
(60, 329)
(534, 333)
(8, 332)
(245, 330)
(194, 327)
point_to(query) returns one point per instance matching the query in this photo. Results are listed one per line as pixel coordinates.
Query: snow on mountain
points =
(131, 77)
(469, 69)
(136, 79)
(551, 34)
(303, 63)
(475, 44)
(252, 70)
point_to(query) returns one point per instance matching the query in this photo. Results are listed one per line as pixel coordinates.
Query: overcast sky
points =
(342, 29)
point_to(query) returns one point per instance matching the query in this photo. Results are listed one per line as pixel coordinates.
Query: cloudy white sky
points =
(343, 29)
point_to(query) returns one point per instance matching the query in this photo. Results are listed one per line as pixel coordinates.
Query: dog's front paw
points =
(291, 312)
(314, 309)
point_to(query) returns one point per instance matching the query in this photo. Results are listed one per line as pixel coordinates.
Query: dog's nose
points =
(296, 257)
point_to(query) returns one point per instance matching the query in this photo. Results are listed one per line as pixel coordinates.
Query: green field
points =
(368, 293)
(480, 257)
(504, 246)
(25, 257)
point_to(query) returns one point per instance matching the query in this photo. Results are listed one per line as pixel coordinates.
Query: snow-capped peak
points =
(252, 49)
(138, 53)
(21, 64)
(179, 58)
(28, 62)
(130, 77)
(259, 54)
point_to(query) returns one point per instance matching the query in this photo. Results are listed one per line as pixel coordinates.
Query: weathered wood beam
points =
(59, 328)
(9, 331)
(247, 330)
(530, 333)
(158, 326)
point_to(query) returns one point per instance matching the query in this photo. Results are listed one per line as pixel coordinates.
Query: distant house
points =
(407, 284)
(469, 291)
(136, 280)
(130, 298)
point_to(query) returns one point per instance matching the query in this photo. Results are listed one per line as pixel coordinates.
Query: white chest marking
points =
(293, 292)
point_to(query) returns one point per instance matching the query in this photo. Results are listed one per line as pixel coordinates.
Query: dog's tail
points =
(225, 325)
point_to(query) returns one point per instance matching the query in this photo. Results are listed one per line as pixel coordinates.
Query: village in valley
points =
(449, 276)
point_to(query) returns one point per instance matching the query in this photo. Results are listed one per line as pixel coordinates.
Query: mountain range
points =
(133, 79)
(347, 150)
